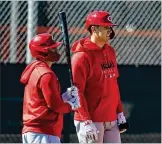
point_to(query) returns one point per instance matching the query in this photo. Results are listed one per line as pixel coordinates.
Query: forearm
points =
(51, 92)
(120, 107)
(83, 110)
(62, 108)
(81, 70)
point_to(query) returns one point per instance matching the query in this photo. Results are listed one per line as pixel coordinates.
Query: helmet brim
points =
(108, 24)
(102, 24)
(54, 46)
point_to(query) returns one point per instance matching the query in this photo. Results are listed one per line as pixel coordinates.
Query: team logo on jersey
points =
(107, 65)
(108, 69)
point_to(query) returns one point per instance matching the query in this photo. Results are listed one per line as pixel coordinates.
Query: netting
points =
(137, 40)
(138, 34)
(13, 21)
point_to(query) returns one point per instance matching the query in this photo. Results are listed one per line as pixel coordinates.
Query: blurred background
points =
(138, 49)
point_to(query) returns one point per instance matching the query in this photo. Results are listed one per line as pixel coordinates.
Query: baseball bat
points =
(64, 30)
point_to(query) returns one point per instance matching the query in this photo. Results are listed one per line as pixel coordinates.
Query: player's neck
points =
(49, 63)
(99, 43)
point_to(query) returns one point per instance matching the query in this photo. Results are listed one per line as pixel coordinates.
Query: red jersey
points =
(95, 74)
(43, 106)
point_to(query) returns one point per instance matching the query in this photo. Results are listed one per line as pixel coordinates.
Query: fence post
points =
(31, 26)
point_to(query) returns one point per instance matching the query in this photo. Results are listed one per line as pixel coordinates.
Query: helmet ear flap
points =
(112, 34)
(43, 54)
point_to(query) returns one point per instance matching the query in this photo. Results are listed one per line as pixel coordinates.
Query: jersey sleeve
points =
(80, 70)
(50, 88)
(119, 107)
(115, 62)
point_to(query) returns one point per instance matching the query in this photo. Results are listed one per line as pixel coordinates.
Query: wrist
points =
(87, 122)
(121, 114)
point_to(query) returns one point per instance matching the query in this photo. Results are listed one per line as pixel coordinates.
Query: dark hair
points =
(89, 29)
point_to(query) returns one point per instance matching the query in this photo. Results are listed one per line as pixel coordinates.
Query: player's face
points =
(103, 33)
(54, 51)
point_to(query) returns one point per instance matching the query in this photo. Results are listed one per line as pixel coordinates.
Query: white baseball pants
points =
(33, 137)
(108, 132)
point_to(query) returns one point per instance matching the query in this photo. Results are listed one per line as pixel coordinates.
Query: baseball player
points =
(95, 75)
(43, 105)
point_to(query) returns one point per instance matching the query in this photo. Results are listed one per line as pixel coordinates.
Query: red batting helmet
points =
(40, 45)
(101, 18)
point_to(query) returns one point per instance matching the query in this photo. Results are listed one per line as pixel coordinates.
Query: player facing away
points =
(95, 75)
(43, 105)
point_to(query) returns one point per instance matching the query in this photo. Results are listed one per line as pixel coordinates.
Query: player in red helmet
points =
(95, 75)
(43, 105)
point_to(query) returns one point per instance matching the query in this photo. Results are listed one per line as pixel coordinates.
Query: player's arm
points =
(51, 92)
(122, 123)
(80, 70)
(120, 107)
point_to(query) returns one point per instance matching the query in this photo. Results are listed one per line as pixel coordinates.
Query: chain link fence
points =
(137, 40)
(138, 34)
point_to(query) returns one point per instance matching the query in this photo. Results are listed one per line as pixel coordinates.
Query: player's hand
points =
(71, 97)
(122, 123)
(91, 132)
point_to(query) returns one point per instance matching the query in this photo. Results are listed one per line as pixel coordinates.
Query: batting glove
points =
(123, 125)
(71, 97)
(91, 132)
